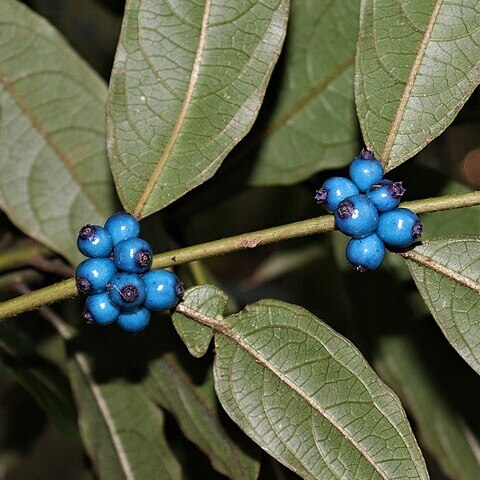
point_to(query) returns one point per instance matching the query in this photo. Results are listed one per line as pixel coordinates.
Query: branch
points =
(66, 289)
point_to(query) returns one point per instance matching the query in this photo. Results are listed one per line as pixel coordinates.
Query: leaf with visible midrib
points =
(439, 425)
(121, 428)
(54, 171)
(197, 413)
(313, 125)
(187, 84)
(417, 64)
(447, 274)
(308, 397)
(123, 431)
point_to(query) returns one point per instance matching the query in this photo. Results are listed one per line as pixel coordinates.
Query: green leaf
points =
(417, 64)
(313, 125)
(91, 28)
(447, 274)
(122, 429)
(308, 397)
(55, 175)
(209, 300)
(440, 429)
(40, 378)
(283, 262)
(187, 84)
(197, 413)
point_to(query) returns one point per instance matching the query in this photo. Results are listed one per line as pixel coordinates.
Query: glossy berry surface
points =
(399, 228)
(93, 275)
(99, 309)
(133, 255)
(356, 217)
(126, 290)
(335, 190)
(365, 171)
(365, 254)
(164, 289)
(94, 241)
(134, 321)
(122, 226)
(386, 195)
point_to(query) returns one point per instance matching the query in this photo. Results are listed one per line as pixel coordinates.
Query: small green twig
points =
(66, 289)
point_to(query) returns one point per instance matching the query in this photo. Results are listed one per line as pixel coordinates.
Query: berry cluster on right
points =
(117, 278)
(366, 208)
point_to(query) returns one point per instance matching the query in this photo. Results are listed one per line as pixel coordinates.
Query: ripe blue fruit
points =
(356, 216)
(133, 255)
(365, 254)
(164, 289)
(93, 275)
(94, 241)
(134, 321)
(399, 228)
(126, 290)
(334, 190)
(365, 171)
(386, 195)
(99, 309)
(122, 226)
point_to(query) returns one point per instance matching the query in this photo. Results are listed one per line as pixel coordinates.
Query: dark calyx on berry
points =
(143, 259)
(345, 209)
(321, 195)
(367, 154)
(396, 189)
(129, 293)
(83, 285)
(417, 230)
(87, 232)
(179, 289)
(360, 268)
(87, 316)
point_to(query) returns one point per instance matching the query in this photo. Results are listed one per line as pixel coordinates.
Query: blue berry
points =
(399, 228)
(93, 275)
(386, 195)
(94, 241)
(99, 309)
(365, 254)
(127, 290)
(356, 217)
(365, 171)
(164, 289)
(133, 255)
(334, 190)
(134, 321)
(122, 226)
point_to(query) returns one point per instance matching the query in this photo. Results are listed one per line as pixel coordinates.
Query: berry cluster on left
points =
(117, 278)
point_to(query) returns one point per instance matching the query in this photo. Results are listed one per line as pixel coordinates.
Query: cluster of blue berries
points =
(116, 277)
(366, 209)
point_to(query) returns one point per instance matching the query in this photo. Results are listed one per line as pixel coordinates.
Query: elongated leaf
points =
(121, 428)
(55, 175)
(441, 429)
(417, 64)
(187, 84)
(197, 412)
(283, 262)
(307, 396)
(447, 274)
(40, 378)
(211, 300)
(313, 125)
